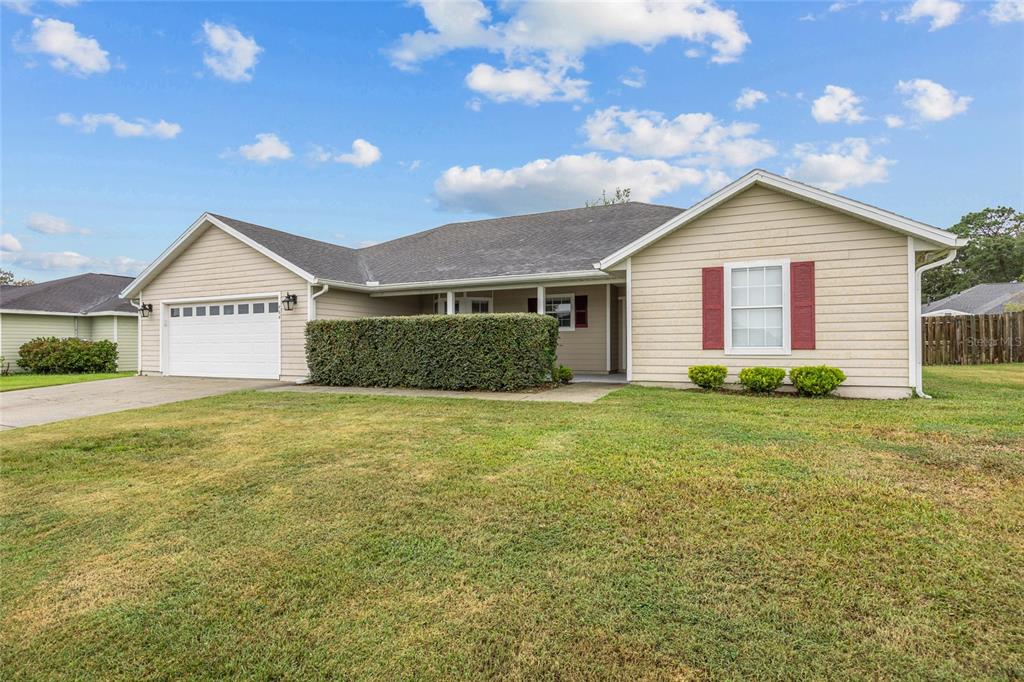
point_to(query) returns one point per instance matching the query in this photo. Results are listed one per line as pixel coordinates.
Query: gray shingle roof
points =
(80, 294)
(538, 243)
(980, 299)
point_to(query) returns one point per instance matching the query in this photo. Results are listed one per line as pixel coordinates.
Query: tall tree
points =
(7, 277)
(995, 253)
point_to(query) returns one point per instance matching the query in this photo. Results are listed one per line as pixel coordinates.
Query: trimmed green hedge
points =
(67, 356)
(505, 352)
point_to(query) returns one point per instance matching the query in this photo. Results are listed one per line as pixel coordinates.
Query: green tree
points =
(621, 196)
(995, 253)
(7, 277)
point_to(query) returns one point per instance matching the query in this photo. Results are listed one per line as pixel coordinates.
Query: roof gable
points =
(941, 238)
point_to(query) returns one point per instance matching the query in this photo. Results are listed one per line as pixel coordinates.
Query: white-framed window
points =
(464, 303)
(560, 307)
(757, 308)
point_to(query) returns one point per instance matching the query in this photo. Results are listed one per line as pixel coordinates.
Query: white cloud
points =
(634, 78)
(410, 166)
(932, 101)
(19, 6)
(68, 50)
(1005, 11)
(700, 137)
(8, 242)
(70, 260)
(363, 154)
(894, 121)
(44, 223)
(564, 182)
(527, 85)
(541, 41)
(231, 56)
(570, 28)
(267, 147)
(942, 13)
(750, 98)
(844, 164)
(140, 127)
(474, 104)
(838, 104)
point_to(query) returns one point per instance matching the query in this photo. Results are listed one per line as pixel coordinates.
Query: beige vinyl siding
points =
(217, 264)
(102, 328)
(17, 329)
(338, 304)
(583, 350)
(127, 343)
(860, 289)
(615, 329)
(83, 330)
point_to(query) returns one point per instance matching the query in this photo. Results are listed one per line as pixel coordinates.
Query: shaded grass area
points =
(653, 534)
(17, 382)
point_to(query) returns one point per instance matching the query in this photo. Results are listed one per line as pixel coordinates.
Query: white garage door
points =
(239, 339)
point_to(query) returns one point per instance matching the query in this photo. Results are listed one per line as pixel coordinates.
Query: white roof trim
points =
(860, 210)
(186, 239)
(102, 313)
(370, 287)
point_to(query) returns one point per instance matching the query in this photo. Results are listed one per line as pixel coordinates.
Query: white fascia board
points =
(15, 311)
(187, 237)
(469, 283)
(814, 195)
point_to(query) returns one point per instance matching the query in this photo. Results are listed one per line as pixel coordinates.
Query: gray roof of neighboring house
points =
(538, 243)
(80, 294)
(980, 299)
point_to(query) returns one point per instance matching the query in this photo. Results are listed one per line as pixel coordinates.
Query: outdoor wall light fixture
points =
(146, 309)
(289, 301)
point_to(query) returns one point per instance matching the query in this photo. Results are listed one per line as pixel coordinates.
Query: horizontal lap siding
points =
(217, 264)
(338, 304)
(17, 329)
(127, 343)
(584, 350)
(860, 289)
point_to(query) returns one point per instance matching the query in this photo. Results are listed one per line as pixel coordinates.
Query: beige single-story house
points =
(766, 271)
(981, 299)
(86, 306)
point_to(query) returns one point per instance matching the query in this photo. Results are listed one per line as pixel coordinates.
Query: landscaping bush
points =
(762, 379)
(816, 380)
(503, 352)
(562, 375)
(708, 377)
(67, 356)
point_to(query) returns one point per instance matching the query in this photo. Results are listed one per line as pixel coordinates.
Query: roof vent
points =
(372, 284)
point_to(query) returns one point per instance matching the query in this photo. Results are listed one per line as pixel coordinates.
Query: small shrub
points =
(562, 375)
(708, 377)
(67, 356)
(816, 380)
(505, 352)
(762, 379)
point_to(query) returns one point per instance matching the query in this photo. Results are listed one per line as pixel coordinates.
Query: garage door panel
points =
(242, 344)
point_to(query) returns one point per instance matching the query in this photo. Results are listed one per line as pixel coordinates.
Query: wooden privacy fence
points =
(973, 339)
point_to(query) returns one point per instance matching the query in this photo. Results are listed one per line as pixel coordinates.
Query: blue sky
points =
(359, 122)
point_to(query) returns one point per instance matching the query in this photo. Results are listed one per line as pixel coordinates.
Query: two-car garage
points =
(236, 338)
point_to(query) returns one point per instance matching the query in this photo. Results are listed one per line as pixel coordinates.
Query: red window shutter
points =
(713, 298)
(581, 312)
(801, 304)
(531, 305)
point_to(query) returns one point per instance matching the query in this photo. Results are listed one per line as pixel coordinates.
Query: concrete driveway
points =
(55, 403)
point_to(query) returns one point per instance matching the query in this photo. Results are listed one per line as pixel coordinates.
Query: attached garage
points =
(236, 338)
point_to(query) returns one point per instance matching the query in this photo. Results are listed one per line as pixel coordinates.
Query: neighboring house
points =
(981, 299)
(87, 306)
(766, 271)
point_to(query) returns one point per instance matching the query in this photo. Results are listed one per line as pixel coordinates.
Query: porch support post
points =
(541, 307)
(450, 304)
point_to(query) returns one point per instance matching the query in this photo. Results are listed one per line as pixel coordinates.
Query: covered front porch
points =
(591, 317)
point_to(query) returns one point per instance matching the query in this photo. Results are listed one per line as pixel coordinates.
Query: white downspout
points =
(311, 304)
(138, 335)
(918, 343)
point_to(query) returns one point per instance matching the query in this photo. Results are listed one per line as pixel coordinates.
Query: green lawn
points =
(655, 534)
(16, 382)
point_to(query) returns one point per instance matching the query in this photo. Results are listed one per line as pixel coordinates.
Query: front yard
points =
(16, 382)
(653, 534)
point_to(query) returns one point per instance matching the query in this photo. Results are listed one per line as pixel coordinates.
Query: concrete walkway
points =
(33, 406)
(573, 393)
